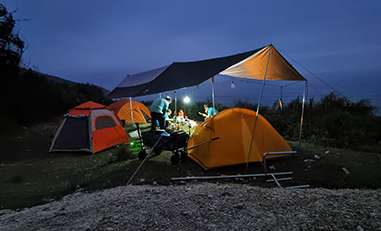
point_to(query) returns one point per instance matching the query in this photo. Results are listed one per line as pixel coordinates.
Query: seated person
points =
(181, 113)
(180, 117)
(208, 112)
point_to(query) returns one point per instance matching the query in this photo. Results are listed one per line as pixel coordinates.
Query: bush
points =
(123, 152)
(334, 121)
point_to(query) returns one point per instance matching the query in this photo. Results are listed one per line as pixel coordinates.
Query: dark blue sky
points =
(100, 42)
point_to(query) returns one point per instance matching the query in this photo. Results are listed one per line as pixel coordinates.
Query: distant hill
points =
(61, 80)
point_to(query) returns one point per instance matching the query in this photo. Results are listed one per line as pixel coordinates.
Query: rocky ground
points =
(203, 206)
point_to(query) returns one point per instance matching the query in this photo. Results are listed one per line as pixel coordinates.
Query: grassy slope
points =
(30, 176)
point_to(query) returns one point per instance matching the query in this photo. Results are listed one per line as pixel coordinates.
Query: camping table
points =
(174, 141)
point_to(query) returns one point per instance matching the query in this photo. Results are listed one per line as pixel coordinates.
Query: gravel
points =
(203, 206)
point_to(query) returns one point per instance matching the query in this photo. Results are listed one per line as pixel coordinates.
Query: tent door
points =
(73, 135)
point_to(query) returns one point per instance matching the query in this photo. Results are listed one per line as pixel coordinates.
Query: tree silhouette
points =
(11, 46)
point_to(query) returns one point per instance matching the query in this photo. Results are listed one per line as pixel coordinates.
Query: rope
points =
(136, 171)
(128, 182)
(334, 90)
(310, 72)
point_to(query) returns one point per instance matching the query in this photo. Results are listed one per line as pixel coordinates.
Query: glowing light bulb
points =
(186, 99)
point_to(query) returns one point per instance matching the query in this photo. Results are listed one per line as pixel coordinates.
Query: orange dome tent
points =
(89, 127)
(123, 109)
(234, 127)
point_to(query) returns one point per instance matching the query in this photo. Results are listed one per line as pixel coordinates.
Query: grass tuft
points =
(123, 152)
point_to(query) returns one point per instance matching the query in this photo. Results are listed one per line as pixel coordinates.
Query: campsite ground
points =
(30, 176)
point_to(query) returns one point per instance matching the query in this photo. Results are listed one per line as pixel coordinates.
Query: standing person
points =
(158, 108)
(208, 112)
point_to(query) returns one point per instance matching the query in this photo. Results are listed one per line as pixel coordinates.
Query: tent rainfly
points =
(234, 128)
(123, 109)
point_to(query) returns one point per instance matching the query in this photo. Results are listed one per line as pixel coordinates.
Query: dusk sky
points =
(100, 42)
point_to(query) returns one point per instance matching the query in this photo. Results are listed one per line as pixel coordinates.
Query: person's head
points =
(169, 112)
(206, 106)
(168, 99)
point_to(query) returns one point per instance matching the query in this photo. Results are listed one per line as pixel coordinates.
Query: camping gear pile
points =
(160, 140)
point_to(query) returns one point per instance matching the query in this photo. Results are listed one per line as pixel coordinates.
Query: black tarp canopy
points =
(252, 64)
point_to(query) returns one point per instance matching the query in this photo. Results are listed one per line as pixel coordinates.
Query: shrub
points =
(123, 152)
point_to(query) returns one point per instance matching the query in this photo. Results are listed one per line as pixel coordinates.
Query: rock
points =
(359, 228)
(309, 161)
(345, 170)
(185, 213)
(239, 206)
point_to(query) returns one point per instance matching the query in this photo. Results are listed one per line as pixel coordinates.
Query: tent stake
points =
(227, 177)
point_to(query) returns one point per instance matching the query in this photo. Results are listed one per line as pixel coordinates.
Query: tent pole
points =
(175, 104)
(212, 80)
(132, 114)
(259, 103)
(302, 116)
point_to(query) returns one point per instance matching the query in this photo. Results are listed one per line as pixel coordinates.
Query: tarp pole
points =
(302, 116)
(259, 103)
(212, 80)
(132, 113)
(175, 104)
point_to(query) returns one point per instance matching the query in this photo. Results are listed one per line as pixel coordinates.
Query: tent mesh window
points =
(74, 134)
(104, 122)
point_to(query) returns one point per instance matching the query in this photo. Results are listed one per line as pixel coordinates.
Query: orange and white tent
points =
(89, 127)
(123, 109)
(234, 127)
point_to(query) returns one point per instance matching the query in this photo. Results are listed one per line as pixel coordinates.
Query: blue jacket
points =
(210, 111)
(159, 105)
